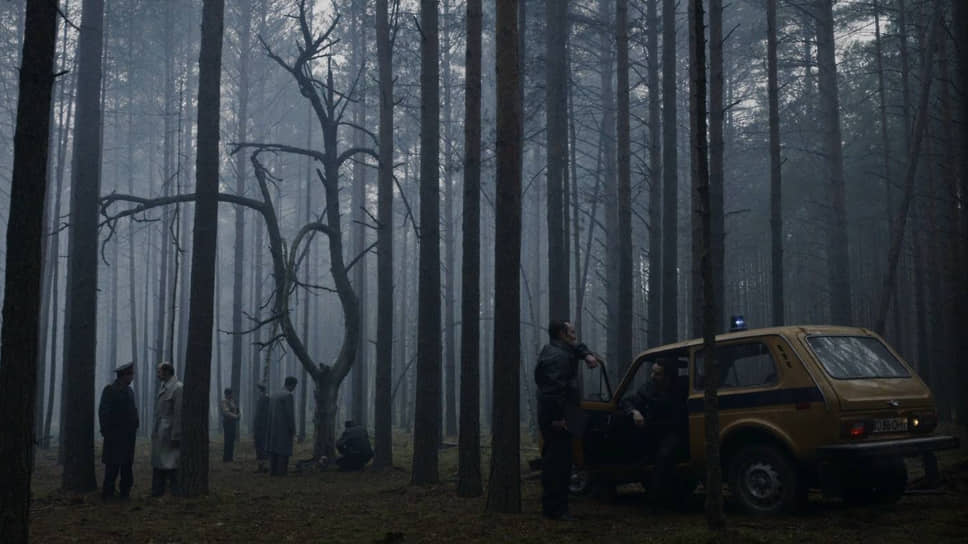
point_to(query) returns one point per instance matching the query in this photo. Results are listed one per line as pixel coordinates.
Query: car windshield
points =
(856, 357)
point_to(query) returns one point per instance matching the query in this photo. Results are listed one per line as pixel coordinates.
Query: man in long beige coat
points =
(167, 430)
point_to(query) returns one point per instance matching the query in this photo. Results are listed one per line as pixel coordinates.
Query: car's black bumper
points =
(904, 447)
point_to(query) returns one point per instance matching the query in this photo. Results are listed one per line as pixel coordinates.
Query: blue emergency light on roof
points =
(737, 323)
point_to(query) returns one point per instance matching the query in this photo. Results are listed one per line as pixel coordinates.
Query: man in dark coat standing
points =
(230, 425)
(354, 445)
(118, 416)
(282, 428)
(260, 428)
(556, 376)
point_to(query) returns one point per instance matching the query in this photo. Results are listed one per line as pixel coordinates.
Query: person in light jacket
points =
(282, 428)
(167, 430)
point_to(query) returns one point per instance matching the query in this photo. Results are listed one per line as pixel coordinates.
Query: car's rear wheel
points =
(763, 480)
(881, 482)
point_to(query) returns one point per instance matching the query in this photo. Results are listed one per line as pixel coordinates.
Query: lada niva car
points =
(800, 407)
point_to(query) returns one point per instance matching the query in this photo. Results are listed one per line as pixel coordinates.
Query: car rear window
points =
(856, 357)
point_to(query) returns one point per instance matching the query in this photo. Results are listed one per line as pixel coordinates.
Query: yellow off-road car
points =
(801, 407)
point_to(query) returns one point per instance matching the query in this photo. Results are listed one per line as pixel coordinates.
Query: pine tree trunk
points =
(193, 469)
(450, 259)
(383, 411)
(704, 257)
(838, 258)
(428, 403)
(24, 259)
(504, 484)
(655, 178)
(776, 185)
(360, 394)
(670, 164)
(81, 323)
(556, 86)
(624, 288)
(469, 454)
(717, 238)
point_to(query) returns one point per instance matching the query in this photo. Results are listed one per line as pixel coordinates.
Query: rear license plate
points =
(891, 425)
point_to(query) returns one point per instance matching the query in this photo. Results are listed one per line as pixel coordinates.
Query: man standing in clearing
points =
(282, 428)
(556, 375)
(118, 415)
(167, 431)
(260, 427)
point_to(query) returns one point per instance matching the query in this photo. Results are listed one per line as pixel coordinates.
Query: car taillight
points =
(922, 423)
(855, 429)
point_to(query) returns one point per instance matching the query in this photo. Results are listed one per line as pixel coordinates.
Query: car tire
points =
(763, 480)
(883, 483)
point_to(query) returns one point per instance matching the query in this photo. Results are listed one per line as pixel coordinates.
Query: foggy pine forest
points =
(390, 199)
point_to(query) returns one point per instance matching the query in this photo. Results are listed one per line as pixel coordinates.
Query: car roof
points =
(789, 330)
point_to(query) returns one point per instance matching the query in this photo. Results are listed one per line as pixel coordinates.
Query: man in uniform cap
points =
(118, 416)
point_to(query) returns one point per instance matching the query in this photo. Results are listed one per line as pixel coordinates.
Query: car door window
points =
(748, 364)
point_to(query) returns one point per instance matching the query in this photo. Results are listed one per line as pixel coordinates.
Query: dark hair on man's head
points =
(228, 390)
(167, 368)
(291, 381)
(555, 327)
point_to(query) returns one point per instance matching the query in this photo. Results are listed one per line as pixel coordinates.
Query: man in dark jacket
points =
(658, 409)
(260, 427)
(354, 445)
(230, 425)
(282, 428)
(556, 375)
(118, 416)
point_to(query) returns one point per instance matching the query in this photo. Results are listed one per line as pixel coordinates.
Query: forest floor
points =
(382, 506)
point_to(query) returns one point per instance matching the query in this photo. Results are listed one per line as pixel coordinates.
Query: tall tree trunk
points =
(959, 314)
(914, 153)
(450, 266)
(609, 174)
(670, 164)
(24, 259)
(469, 454)
(624, 289)
(428, 406)
(504, 484)
(81, 326)
(359, 397)
(238, 257)
(193, 470)
(556, 86)
(776, 185)
(655, 178)
(383, 411)
(717, 240)
(838, 258)
(702, 209)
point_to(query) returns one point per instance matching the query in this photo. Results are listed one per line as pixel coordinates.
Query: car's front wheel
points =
(763, 479)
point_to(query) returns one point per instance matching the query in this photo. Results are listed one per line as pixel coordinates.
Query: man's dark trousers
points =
(555, 472)
(160, 478)
(230, 427)
(111, 474)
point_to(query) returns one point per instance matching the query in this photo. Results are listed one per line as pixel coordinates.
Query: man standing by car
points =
(656, 408)
(556, 376)
(118, 415)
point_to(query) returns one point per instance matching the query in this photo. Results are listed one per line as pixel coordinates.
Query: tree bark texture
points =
(702, 209)
(776, 185)
(383, 412)
(81, 327)
(556, 85)
(670, 164)
(427, 416)
(717, 112)
(21, 302)
(193, 469)
(655, 180)
(838, 258)
(469, 441)
(504, 484)
(624, 289)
